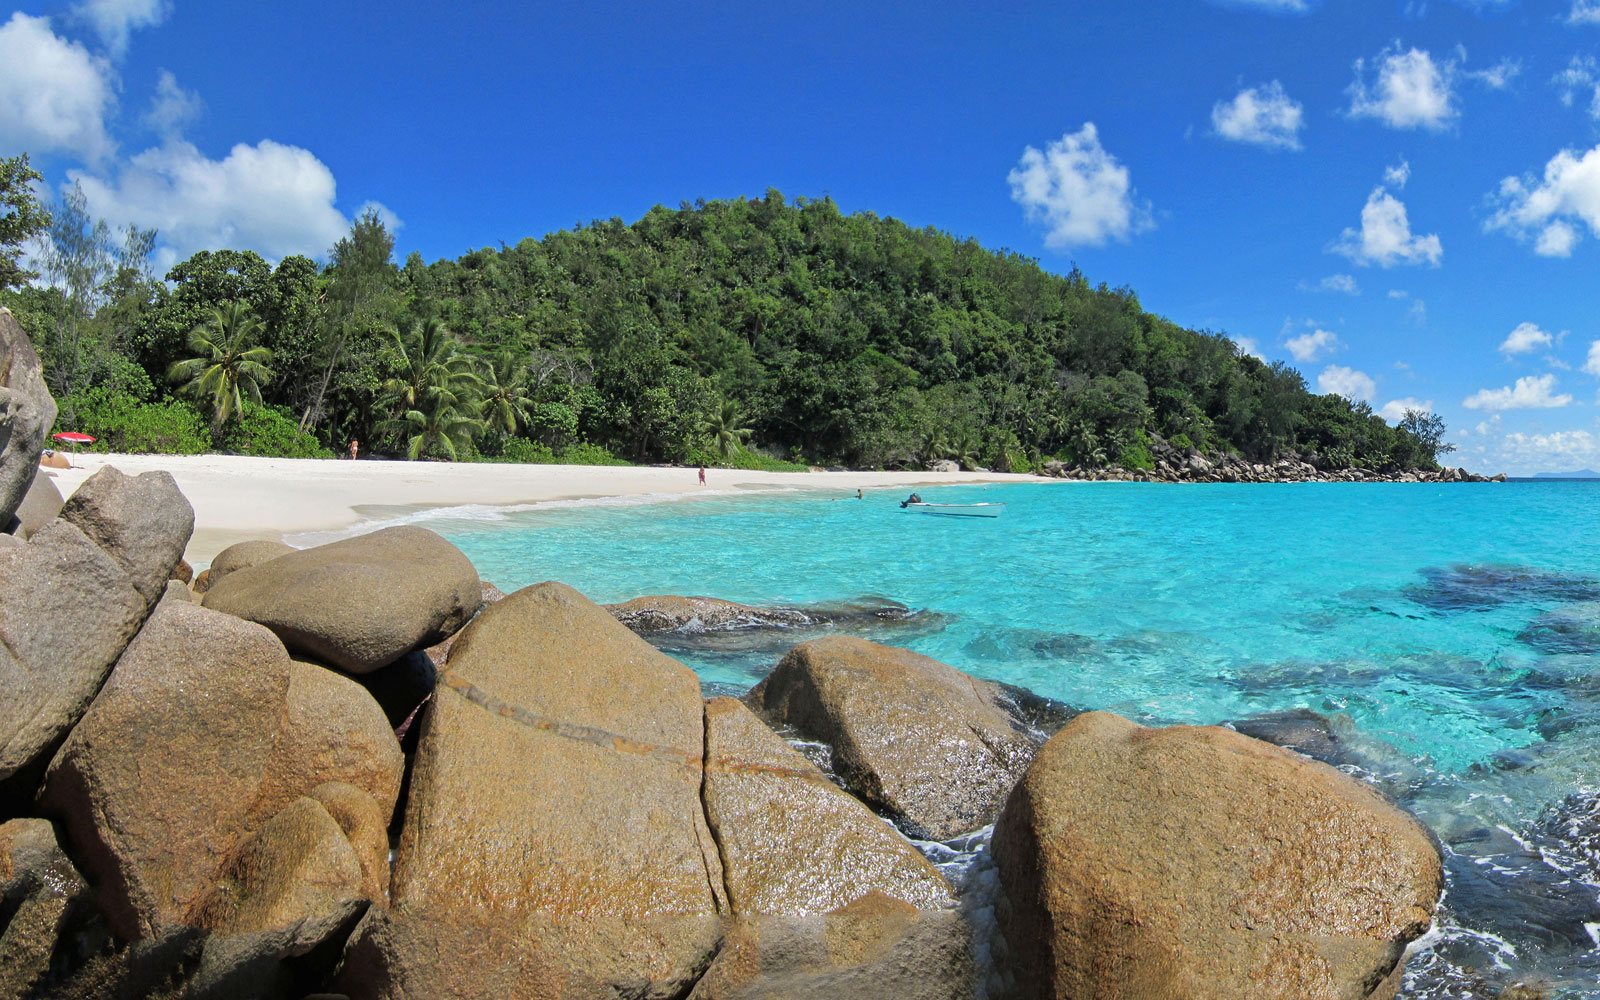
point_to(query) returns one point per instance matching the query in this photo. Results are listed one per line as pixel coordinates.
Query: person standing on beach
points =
(355, 446)
(702, 475)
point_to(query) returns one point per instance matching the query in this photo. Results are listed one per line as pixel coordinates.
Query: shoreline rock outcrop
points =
(922, 742)
(1195, 861)
(27, 411)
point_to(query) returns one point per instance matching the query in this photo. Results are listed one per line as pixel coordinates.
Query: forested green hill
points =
(829, 338)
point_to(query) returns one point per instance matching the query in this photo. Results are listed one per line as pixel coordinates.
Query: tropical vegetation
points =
(743, 332)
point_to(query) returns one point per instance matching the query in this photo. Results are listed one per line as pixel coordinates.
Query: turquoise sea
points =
(1446, 636)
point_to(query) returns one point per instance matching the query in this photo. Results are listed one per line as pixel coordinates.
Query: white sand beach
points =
(237, 497)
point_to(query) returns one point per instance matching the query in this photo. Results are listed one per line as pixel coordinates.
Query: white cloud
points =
(1314, 345)
(1584, 12)
(1385, 238)
(1418, 313)
(1591, 364)
(1079, 191)
(1397, 174)
(114, 20)
(1526, 339)
(54, 95)
(1581, 78)
(1543, 209)
(271, 198)
(1532, 392)
(1262, 116)
(1343, 283)
(1395, 409)
(1247, 345)
(171, 108)
(1574, 448)
(1498, 76)
(1353, 385)
(1408, 90)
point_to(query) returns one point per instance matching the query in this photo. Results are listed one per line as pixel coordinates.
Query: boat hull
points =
(959, 509)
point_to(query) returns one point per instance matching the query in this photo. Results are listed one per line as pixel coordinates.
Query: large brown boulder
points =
(334, 731)
(1197, 862)
(360, 603)
(143, 522)
(243, 555)
(67, 609)
(555, 796)
(155, 786)
(295, 886)
(26, 412)
(791, 842)
(39, 507)
(40, 896)
(920, 741)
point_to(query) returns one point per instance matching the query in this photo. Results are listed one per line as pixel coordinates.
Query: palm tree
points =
(227, 365)
(436, 394)
(727, 430)
(430, 361)
(442, 428)
(505, 393)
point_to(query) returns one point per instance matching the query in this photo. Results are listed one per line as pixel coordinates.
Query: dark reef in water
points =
(1466, 587)
(1572, 629)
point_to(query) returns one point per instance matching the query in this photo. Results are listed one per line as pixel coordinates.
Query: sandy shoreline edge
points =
(237, 497)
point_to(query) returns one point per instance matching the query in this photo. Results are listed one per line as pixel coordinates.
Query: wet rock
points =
(1194, 861)
(334, 731)
(667, 613)
(875, 949)
(41, 896)
(1574, 628)
(143, 522)
(556, 796)
(67, 609)
(708, 626)
(39, 507)
(920, 741)
(183, 572)
(243, 555)
(154, 787)
(790, 841)
(361, 603)
(26, 412)
(1467, 587)
(1335, 741)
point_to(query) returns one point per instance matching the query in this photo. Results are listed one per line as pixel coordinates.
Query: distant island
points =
(1580, 474)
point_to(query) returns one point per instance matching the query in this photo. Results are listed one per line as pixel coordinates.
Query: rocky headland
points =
(1175, 464)
(358, 771)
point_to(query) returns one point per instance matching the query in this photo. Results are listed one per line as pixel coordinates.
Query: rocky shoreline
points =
(359, 771)
(1189, 465)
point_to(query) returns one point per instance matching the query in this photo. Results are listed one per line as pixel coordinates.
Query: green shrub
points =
(1137, 454)
(590, 454)
(1181, 442)
(120, 423)
(525, 451)
(270, 432)
(742, 458)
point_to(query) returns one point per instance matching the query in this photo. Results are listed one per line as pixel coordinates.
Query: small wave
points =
(490, 513)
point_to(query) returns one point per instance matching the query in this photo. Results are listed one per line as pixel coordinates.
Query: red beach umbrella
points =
(75, 438)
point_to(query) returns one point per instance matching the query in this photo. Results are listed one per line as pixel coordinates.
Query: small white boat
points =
(958, 509)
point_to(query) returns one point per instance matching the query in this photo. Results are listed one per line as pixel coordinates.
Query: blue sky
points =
(1402, 198)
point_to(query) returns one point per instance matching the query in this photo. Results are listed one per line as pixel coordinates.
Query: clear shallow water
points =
(1202, 604)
